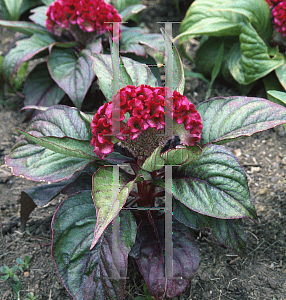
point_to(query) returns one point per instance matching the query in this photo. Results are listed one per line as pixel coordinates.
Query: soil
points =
(222, 275)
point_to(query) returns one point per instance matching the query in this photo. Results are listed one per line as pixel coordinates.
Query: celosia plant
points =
(114, 166)
(245, 38)
(66, 33)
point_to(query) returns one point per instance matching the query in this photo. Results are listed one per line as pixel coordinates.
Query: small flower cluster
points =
(272, 3)
(89, 15)
(278, 14)
(144, 108)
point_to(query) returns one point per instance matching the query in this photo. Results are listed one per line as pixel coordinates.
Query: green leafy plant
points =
(244, 32)
(147, 294)
(31, 296)
(147, 164)
(23, 264)
(12, 9)
(66, 45)
(14, 279)
(10, 273)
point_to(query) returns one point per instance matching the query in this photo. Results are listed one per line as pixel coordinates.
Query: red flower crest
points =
(143, 108)
(278, 14)
(89, 15)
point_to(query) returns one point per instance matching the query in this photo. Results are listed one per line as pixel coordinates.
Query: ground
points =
(222, 275)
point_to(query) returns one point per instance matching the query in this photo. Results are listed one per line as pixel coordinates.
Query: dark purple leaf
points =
(40, 89)
(73, 72)
(225, 119)
(38, 196)
(228, 232)
(90, 274)
(148, 251)
(82, 183)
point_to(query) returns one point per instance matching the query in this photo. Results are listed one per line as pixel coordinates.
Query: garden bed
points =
(222, 275)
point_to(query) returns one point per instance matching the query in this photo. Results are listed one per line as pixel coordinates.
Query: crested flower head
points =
(278, 14)
(88, 15)
(137, 118)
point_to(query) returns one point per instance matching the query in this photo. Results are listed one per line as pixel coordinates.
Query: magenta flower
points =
(278, 14)
(279, 17)
(142, 117)
(89, 15)
(272, 3)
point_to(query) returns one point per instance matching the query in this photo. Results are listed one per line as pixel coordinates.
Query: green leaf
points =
(107, 200)
(19, 261)
(214, 185)
(5, 277)
(40, 89)
(72, 72)
(212, 26)
(88, 274)
(11, 9)
(131, 73)
(121, 4)
(154, 161)
(48, 2)
(27, 28)
(39, 15)
(4, 269)
(27, 4)
(228, 232)
(177, 77)
(128, 12)
(149, 61)
(223, 18)
(16, 286)
(229, 118)
(181, 156)
(64, 145)
(194, 74)
(280, 97)
(14, 269)
(31, 296)
(1, 81)
(216, 68)
(27, 259)
(37, 163)
(18, 78)
(252, 59)
(24, 51)
(1, 62)
(281, 74)
(131, 39)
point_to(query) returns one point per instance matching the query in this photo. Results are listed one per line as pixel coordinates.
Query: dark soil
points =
(222, 275)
